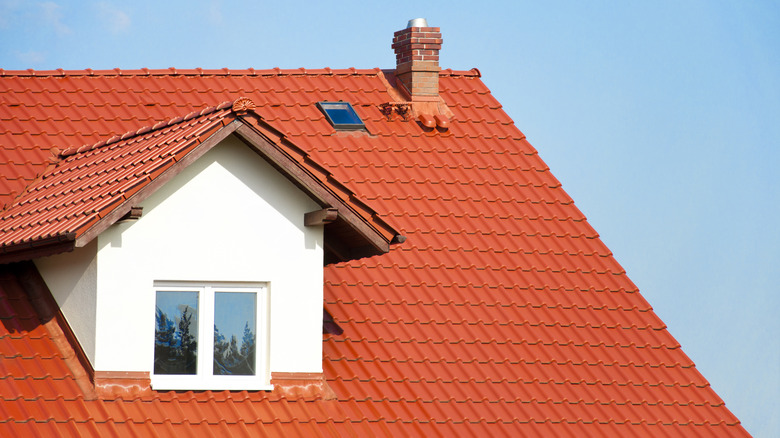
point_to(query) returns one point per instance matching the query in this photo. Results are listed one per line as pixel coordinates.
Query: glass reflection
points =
(235, 329)
(176, 333)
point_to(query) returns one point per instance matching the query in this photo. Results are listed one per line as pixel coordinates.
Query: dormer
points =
(189, 255)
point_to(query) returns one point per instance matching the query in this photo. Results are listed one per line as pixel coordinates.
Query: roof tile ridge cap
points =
(474, 72)
(242, 105)
(199, 71)
(73, 72)
(33, 72)
(145, 130)
(325, 71)
(135, 72)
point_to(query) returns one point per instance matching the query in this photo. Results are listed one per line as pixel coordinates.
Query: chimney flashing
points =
(417, 78)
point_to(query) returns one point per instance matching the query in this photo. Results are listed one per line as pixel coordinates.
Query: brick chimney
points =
(417, 59)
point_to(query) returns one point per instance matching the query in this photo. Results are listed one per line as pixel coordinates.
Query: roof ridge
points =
(471, 72)
(172, 71)
(146, 129)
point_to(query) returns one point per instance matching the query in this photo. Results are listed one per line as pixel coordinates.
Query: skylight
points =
(341, 115)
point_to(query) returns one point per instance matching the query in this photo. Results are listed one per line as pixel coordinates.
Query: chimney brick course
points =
(417, 60)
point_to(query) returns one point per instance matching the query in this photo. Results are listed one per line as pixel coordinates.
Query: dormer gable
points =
(88, 189)
(182, 230)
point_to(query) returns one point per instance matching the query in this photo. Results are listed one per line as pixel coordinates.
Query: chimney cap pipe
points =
(417, 22)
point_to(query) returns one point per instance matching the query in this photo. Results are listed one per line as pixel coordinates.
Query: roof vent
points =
(417, 22)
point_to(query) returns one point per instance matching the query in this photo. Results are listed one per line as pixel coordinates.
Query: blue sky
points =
(661, 119)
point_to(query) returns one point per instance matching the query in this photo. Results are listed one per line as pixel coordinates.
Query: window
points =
(341, 115)
(211, 336)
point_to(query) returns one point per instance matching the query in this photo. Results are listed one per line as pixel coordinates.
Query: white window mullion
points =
(206, 347)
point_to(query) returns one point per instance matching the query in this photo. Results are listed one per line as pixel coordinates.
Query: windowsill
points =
(198, 383)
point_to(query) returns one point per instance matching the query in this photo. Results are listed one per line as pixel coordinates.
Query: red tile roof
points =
(503, 314)
(89, 188)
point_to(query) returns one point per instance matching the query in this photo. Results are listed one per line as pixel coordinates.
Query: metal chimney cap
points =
(417, 22)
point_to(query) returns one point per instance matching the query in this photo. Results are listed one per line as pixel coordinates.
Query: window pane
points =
(176, 333)
(341, 115)
(234, 333)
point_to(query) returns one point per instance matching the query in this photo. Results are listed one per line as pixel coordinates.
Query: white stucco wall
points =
(228, 217)
(72, 279)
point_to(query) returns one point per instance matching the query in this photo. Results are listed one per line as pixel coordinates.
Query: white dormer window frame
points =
(202, 304)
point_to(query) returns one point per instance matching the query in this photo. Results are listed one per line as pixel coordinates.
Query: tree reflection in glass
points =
(176, 333)
(234, 333)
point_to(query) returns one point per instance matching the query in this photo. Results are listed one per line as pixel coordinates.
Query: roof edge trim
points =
(112, 217)
(268, 131)
(317, 188)
(35, 248)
